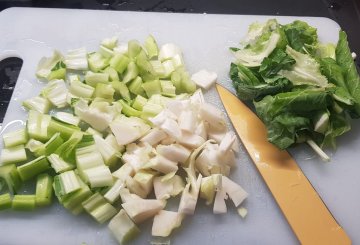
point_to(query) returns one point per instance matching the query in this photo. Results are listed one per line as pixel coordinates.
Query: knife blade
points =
(301, 205)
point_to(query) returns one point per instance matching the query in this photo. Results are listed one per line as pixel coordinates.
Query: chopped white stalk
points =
(318, 150)
(124, 171)
(177, 60)
(187, 121)
(140, 210)
(99, 176)
(55, 91)
(68, 118)
(236, 193)
(213, 116)
(126, 196)
(189, 198)
(168, 51)
(124, 133)
(114, 192)
(216, 134)
(37, 103)
(108, 153)
(162, 164)
(154, 136)
(227, 158)
(69, 182)
(145, 179)
(109, 43)
(96, 118)
(122, 48)
(204, 79)
(174, 152)
(242, 212)
(207, 189)
(46, 64)
(197, 97)
(175, 107)
(207, 159)
(172, 128)
(110, 139)
(164, 222)
(135, 187)
(160, 118)
(219, 202)
(227, 142)
(76, 59)
(168, 141)
(201, 130)
(123, 228)
(165, 189)
(191, 140)
(235, 146)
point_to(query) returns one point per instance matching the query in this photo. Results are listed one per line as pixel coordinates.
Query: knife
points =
(301, 205)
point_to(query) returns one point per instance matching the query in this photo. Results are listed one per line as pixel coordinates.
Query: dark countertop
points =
(344, 12)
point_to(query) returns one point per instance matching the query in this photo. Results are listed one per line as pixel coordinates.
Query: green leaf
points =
(276, 61)
(326, 51)
(338, 126)
(333, 72)
(301, 36)
(352, 79)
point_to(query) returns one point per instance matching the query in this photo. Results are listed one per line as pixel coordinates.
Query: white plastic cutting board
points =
(204, 40)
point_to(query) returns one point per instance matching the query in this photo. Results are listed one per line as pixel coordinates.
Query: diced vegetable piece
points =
(65, 129)
(134, 48)
(67, 118)
(109, 154)
(111, 140)
(37, 125)
(123, 228)
(167, 88)
(236, 193)
(23, 202)
(68, 181)
(168, 51)
(139, 102)
(76, 59)
(154, 136)
(46, 64)
(103, 213)
(114, 192)
(18, 137)
(58, 72)
(58, 164)
(152, 87)
(127, 130)
(135, 187)
(145, 179)
(174, 152)
(105, 52)
(55, 91)
(123, 172)
(242, 212)
(164, 222)
(121, 89)
(150, 110)
(219, 202)
(14, 154)
(126, 196)
(93, 78)
(37, 103)
(135, 86)
(209, 185)
(113, 75)
(140, 210)
(119, 62)
(128, 110)
(162, 164)
(131, 73)
(165, 188)
(105, 91)
(82, 90)
(12, 179)
(93, 202)
(204, 79)
(168, 68)
(109, 43)
(97, 62)
(33, 168)
(5, 201)
(44, 190)
(151, 46)
(99, 176)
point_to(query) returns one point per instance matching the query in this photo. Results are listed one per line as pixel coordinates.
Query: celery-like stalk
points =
(121, 89)
(119, 62)
(33, 168)
(93, 202)
(44, 190)
(76, 59)
(18, 137)
(11, 176)
(36, 147)
(92, 131)
(105, 91)
(158, 67)
(109, 43)
(143, 64)
(5, 201)
(23, 202)
(37, 103)
(106, 52)
(136, 86)
(58, 164)
(103, 213)
(46, 64)
(167, 88)
(67, 118)
(134, 48)
(131, 72)
(99, 176)
(113, 75)
(114, 192)
(66, 183)
(80, 89)
(151, 47)
(139, 102)
(56, 91)
(93, 78)
(14, 154)
(151, 110)
(108, 153)
(58, 72)
(66, 150)
(97, 62)
(37, 125)
(152, 87)
(168, 68)
(128, 110)
(123, 228)
(53, 144)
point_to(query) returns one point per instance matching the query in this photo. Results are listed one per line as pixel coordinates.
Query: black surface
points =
(345, 12)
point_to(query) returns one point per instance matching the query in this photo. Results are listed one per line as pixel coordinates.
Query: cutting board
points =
(204, 39)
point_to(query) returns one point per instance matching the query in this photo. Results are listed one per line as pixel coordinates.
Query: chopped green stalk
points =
(119, 62)
(106, 52)
(56, 91)
(176, 81)
(97, 62)
(108, 153)
(58, 164)
(105, 91)
(58, 72)
(67, 118)
(134, 48)
(65, 129)
(167, 88)
(68, 182)
(131, 73)
(142, 61)
(37, 103)
(113, 75)
(318, 150)
(152, 87)
(158, 67)
(103, 213)
(139, 102)
(66, 150)
(99, 176)
(92, 131)
(33, 168)
(168, 68)
(187, 84)
(151, 47)
(14, 154)
(37, 125)
(76, 59)
(109, 43)
(10, 175)
(44, 190)
(110, 139)
(18, 137)
(23, 202)
(135, 86)
(151, 110)
(93, 78)
(121, 89)
(123, 228)
(5, 201)
(88, 157)
(93, 202)
(53, 144)
(46, 64)
(81, 90)
(114, 192)
(128, 110)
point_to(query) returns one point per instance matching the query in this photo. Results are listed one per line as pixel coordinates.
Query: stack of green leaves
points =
(303, 90)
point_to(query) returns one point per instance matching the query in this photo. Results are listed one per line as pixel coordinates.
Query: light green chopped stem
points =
(23, 202)
(14, 154)
(44, 190)
(18, 137)
(5, 201)
(31, 169)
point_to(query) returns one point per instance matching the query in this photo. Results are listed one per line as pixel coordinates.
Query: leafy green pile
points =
(302, 90)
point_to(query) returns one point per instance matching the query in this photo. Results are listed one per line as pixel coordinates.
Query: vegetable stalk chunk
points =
(33, 168)
(204, 79)
(14, 154)
(44, 190)
(140, 210)
(165, 222)
(123, 228)
(18, 137)
(5, 201)
(23, 202)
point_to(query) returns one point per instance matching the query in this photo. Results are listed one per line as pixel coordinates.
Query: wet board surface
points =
(204, 39)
